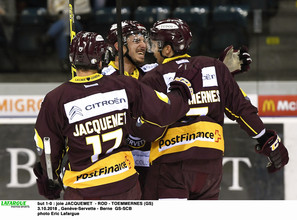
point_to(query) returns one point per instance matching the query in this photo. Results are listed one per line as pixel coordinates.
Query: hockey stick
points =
(48, 162)
(119, 37)
(72, 30)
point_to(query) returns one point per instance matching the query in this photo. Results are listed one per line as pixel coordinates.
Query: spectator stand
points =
(102, 19)
(229, 26)
(197, 17)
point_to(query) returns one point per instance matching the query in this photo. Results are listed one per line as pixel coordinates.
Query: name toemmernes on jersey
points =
(96, 105)
(209, 96)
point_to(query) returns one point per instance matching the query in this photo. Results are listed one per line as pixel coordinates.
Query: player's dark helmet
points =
(174, 32)
(129, 27)
(86, 50)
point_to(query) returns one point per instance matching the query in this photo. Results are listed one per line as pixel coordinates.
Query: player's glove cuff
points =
(245, 58)
(47, 188)
(275, 150)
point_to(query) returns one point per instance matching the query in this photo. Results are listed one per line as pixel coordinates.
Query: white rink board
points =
(290, 140)
(253, 89)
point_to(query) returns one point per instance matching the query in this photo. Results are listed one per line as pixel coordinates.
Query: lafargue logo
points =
(75, 110)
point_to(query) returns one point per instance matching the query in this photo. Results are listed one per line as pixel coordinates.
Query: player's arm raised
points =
(237, 61)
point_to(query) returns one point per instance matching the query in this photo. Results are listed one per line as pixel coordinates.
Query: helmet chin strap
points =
(129, 57)
(160, 51)
(165, 57)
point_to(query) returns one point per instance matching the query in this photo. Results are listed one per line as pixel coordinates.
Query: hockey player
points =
(89, 117)
(135, 36)
(187, 161)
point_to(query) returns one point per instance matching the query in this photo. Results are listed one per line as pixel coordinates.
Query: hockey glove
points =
(184, 86)
(237, 61)
(47, 188)
(183, 77)
(275, 150)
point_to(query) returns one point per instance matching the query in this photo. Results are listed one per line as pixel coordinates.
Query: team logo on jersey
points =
(75, 110)
(189, 138)
(135, 142)
(209, 77)
(201, 134)
(113, 168)
(96, 105)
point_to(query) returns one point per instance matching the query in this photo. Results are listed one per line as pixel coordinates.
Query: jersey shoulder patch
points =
(109, 70)
(147, 67)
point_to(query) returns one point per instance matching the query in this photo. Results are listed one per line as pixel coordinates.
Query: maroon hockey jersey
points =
(200, 133)
(140, 147)
(89, 117)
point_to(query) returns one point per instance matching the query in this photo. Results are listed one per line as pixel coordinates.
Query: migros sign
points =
(20, 105)
(277, 105)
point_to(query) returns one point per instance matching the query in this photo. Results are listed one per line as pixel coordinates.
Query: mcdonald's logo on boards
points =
(268, 106)
(277, 105)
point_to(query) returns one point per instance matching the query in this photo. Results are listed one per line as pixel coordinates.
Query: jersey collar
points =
(166, 60)
(84, 79)
(135, 73)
